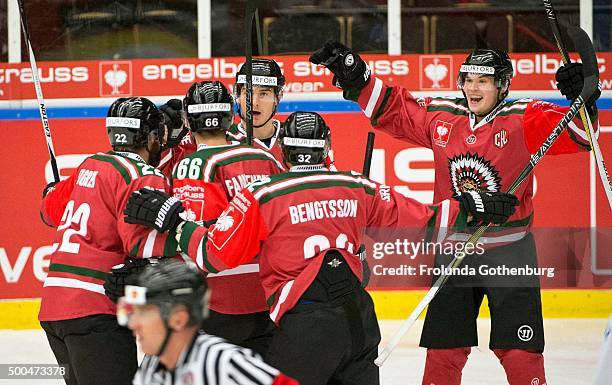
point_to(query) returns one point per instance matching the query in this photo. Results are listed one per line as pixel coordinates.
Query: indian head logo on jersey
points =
(435, 72)
(441, 132)
(501, 138)
(115, 78)
(472, 173)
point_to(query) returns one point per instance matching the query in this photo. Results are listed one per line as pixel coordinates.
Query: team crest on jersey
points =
(472, 173)
(442, 132)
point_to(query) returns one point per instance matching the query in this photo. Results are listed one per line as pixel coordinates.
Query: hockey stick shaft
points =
(367, 158)
(590, 86)
(586, 120)
(39, 95)
(248, 53)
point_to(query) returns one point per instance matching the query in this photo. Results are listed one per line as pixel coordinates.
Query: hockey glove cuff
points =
(153, 208)
(123, 274)
(488, 208)
(350, 71)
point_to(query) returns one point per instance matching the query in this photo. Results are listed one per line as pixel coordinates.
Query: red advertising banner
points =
(154, 77)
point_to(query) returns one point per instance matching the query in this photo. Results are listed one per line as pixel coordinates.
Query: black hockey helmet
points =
(266, 72)
(491, 62)
(129, 122)
(305, 139)
(166, 284)
(208, 106)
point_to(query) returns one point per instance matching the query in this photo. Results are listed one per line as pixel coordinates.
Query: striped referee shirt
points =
(209, 360)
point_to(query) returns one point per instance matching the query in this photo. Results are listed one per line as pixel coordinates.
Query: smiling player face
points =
(481, 93)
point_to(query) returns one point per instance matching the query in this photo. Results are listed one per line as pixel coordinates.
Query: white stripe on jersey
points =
(443, 226)
(126, 163)
(234, 152)
(281, 299)
(147, 252)
(374, 96)
(73, 284)
(313, 178)
(448, 103)
(242, 269)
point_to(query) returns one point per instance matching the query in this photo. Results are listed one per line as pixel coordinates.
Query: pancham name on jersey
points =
(310, 211)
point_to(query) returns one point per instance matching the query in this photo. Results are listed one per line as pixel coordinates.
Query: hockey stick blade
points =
(591, 80)
(586, 120)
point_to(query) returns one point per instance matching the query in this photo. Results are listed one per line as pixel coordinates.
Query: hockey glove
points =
(121, 275)
(174, 122)
(488, 207)
(153, 208)
(350, 71)
(570, 82)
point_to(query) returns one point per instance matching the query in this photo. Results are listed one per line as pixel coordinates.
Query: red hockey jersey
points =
(291, 219)
(205, 182)
(238, 133)
(92, 236)
(483, 156)
(173, 155)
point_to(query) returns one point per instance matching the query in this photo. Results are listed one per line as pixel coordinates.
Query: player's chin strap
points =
(267, 120)
(164, 343)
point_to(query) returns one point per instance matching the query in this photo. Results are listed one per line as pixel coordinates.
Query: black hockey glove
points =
(48, 188)
(350, 71)
(153, 208)
(174, 122)
(570, 82)
(121, 275)
(488, 207)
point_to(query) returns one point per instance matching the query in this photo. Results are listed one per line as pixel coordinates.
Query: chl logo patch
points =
(442, 132)
(525, 333)
(501, 138)
(470, 139)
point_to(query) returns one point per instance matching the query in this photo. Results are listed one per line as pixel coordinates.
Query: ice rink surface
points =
(572, 351)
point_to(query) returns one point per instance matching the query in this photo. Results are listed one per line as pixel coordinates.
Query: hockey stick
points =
(591, 81)
(39, 95)
(586, 120)
(367, 158)
(249, 14)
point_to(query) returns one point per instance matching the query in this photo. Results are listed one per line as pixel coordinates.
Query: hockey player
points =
(268, 82)
(306, 225)
(480, 143)
(164, 310)
(77, 316)
(205, 181)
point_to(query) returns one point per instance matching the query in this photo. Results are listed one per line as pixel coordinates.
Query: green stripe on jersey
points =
(109, 159)
(381, 109)
(237, 158)
(454, 111)
(431, 224)
(77, 270)
(188, 230)
(315, 185)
